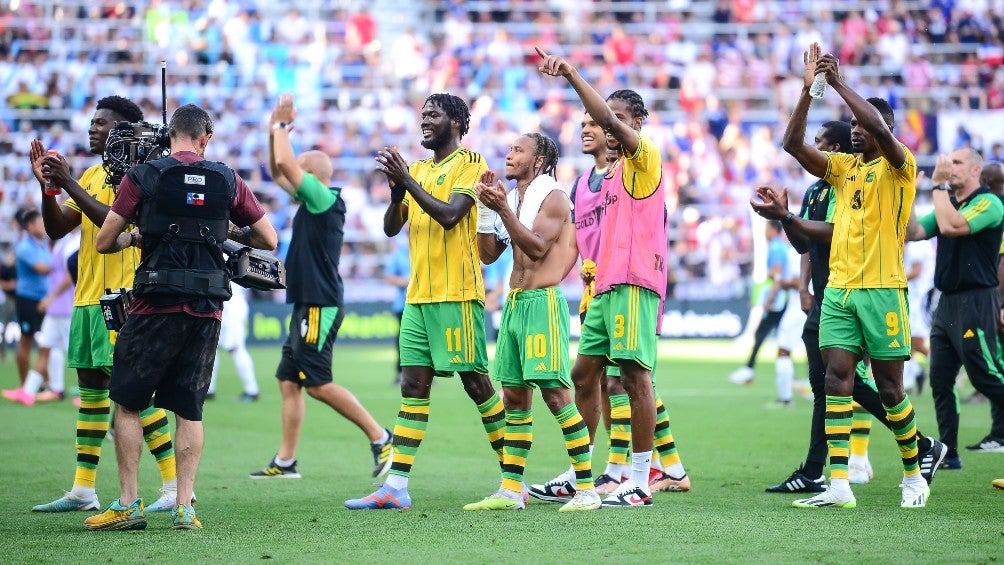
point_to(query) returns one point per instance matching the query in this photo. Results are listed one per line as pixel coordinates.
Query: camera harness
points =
(183, 220)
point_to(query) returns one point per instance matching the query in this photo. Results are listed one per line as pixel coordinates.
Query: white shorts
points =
(920, 321)
(233, 325)
(54, 333)
(789, 330)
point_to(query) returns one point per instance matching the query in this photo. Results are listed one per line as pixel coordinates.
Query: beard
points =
(437, 141)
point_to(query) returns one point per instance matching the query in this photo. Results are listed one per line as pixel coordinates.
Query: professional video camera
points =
(132, 143)
(115, 307)
(254, 268)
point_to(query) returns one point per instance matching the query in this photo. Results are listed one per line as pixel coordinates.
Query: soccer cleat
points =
(952, 462)
(558, 489)
(583, 500)
(382, 454)
(48, 396)
(525, 494)
(68, 503)
(827, 498)
(859, 472)
(989, 444)
(742, 376)
(167, 501)
(247, 398)
(799, 482)
(19, 395)
(184, 518)
(931, 459)
(915, 494)
(497, 501)
(605, 484)
(274, 471)
(998, 484)
(385, 498)
(665, 483)
(627, 495)
(118, 517)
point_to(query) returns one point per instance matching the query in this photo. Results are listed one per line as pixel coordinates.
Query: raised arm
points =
(447, 214)
(865, 115)
(595, 105)
(812, 159)
(490, 247)
(282, 165)
(58, 220)
(774, 206)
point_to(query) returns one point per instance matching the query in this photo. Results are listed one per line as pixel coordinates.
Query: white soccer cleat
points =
(583, 500)
(826, 498)
(915, 494)
(742, 376)
(859, 472)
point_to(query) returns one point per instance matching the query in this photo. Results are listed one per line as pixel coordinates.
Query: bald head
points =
(318, 164)
(992, 175)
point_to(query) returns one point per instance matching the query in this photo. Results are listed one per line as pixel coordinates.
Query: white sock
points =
(616, 471)
(840, 486)
(640, 464)
(676, 471)
(216, 371)
(784, 368)
(171, 486)
(384, 436)
(918, 478)
(910, 371)
(396, 482)
(57, 370)
(284, 462)
(33, 382)
(245, 370)
(657, 463)
(82, 493)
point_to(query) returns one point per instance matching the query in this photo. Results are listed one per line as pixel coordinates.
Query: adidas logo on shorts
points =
(540, 367)
(456, 359)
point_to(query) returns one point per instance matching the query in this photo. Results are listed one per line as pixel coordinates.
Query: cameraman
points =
(315, 290)
(182, 206)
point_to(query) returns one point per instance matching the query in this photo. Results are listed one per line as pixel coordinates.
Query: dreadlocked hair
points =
(121, 106)
(547, 149)
(455, 108)
(633, 99)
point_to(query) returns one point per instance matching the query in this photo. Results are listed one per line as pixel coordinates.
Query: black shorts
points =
(306, 355)
(28, 316)
(167, 354)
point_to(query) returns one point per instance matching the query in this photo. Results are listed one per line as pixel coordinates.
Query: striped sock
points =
(93, 419)
(494, 420)
(838, 432)
(577, 444)
(518, 439)
(665, 446)
(620, 431)
(157, 435)
(904, 427)
(409, 430)
(860, 431)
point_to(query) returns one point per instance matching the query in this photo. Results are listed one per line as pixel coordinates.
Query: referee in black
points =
(967, 220)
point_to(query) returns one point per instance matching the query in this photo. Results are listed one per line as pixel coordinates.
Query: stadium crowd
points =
(721, 75)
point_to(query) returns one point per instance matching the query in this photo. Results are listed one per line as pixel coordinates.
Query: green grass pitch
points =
(732, 447)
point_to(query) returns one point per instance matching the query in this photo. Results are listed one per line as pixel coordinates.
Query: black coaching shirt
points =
(316, 245)
(814, 206)
(970, 261)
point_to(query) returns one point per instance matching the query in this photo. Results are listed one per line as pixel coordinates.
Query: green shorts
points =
(533, 340)
(447, 336)
(620, 324)
(92, 344)
(875, 321)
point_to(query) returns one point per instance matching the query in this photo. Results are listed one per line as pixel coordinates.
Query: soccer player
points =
(443, 325)
(315, 289)
(864, 304)
(622, 320)
(667, 473)
(774, 303)
(91, 344)
(233, 340)
(967, 222)
(532, 346)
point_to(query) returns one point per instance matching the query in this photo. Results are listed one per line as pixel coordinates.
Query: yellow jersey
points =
(97, 272)
(445, 264)
(869, 210)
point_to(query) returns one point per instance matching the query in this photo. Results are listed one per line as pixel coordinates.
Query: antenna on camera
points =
(163, 89)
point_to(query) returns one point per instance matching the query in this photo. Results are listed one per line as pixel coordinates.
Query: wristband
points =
(942, 186)
(132, 239)
(486, 219)
(787, 219)
(280, 125)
